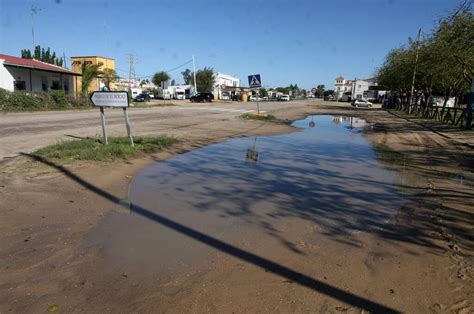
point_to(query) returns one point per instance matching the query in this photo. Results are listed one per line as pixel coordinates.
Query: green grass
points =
(255, 116)
(93, 149)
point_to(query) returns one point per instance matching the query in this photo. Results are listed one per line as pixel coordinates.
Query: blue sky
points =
(287, 42)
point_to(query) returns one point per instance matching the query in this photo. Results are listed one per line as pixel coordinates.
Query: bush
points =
(60, 98)
(28, 101)
(18, 101)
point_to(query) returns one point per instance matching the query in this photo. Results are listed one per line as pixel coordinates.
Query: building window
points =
(20, 85)
(76, 62)
(44, 84)
(55, 85)
(87, 62)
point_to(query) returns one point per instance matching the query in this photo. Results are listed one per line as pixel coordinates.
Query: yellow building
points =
(97, 83)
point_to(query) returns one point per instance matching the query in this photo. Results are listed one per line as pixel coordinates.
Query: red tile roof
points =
(340, 78)
(34, 64)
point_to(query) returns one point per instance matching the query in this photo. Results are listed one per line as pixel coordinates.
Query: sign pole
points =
(258, 108)
(127, 124)
(104, 129)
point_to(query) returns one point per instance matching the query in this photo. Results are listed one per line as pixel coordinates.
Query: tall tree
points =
(188, 77)
(42, 55)
(160, 77)
(205, 80)
(320, 90)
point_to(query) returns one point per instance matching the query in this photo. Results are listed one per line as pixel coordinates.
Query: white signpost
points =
(112, 99)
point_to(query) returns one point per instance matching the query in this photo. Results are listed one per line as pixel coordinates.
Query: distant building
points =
(18, 74)
(347, 90)
(104, 63)
(223, 86)
(342, 87)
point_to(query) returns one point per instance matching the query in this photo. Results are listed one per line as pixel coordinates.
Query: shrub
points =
(59, 98)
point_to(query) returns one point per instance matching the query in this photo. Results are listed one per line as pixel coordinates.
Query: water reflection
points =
(327, 175)
(252, 153)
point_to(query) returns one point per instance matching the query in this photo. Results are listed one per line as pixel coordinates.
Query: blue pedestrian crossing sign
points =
(255, 81)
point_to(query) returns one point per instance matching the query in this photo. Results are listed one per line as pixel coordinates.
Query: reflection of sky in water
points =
(326, 175)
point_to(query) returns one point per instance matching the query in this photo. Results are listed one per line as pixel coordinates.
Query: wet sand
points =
(421, 261)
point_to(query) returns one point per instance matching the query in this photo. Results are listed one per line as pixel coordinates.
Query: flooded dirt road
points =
(242, 189)
(380, 220)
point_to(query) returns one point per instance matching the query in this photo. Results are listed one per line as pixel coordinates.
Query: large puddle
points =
(326, 173)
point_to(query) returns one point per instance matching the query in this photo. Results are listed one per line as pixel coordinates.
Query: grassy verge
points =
(93, 149)
(256, 116)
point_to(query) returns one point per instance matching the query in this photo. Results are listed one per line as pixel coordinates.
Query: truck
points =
(134, 92)
(179, 93)
(163, 93)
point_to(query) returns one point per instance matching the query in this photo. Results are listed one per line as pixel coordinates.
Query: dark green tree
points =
(160, 77)
(188, 77)
(205, 80)
(42, 55)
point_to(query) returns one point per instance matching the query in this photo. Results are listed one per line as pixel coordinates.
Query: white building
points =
(359, 87)
(347, 90)
(342, 87)
(17, 74)
(222, 81)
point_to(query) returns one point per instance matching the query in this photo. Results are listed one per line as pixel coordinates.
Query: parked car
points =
(254, 98)
(361, 103)
(329, 97)
(202, 97)
(142, 97)
(284, 97)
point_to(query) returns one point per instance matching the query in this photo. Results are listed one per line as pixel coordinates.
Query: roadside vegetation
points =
(256, 116)
(28, 101)
(93, 149)
(440, 63)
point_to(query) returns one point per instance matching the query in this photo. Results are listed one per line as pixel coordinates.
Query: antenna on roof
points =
(64, 61)
(34, 11)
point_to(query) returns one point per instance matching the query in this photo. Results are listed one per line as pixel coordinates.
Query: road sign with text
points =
(110, 99)
(255, 81)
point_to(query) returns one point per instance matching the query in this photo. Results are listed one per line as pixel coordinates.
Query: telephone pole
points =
(194, 75)
(414, 70)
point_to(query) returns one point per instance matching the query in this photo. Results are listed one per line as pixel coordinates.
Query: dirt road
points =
(421, 261)
(24, 132)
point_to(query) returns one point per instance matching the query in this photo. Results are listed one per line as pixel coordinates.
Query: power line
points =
(170, 70)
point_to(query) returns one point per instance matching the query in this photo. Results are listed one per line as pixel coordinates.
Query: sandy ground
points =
(421, 262)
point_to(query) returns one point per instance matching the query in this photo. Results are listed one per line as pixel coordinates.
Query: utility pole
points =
(414, 71)
(34, 11)
(194, 75)
(470, 107)
(131, 72)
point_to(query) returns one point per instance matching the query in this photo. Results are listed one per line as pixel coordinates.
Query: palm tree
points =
(108, 76)
(89, 73)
